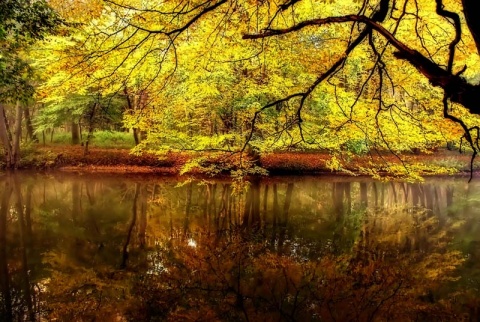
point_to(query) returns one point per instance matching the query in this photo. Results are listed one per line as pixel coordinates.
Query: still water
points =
(124, 248)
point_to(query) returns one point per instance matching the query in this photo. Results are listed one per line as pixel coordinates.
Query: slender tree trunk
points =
(75, 133)
(7, 124)
(132, 106)
(17, 135)
(11, 144)
(80, 131)
(136, 137)
(136, 132)
(5, 138)
(28, 124)
(90, 128)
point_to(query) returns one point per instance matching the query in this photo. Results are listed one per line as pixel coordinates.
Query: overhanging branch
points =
(457, 89)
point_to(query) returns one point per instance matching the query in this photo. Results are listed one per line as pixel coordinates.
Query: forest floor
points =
(72, 158)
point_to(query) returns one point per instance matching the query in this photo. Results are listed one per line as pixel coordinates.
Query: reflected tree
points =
(251, 213)
(6, 298)
(396, 264)
(125, 253)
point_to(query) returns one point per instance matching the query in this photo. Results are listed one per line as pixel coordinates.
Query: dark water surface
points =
(119, 248)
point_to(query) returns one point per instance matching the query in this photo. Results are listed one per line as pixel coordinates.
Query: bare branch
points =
(185, 26)
(458, 31)
(457, 88)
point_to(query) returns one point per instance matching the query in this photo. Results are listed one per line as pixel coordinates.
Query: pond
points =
(145, 248)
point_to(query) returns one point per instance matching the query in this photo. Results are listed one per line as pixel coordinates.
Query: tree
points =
(89, 111)
(358, 75)
(456, 89)
(22, 22)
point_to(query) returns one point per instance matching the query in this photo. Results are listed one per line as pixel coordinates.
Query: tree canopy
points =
(345, 77)
(21, 23)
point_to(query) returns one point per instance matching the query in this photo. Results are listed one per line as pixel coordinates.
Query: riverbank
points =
(72, 158)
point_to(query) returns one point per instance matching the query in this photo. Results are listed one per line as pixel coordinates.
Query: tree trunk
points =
(90, 128)
(17, 135)
(80, 131)
(136, 137)
(143, 135)
(28, 124)
(132, 103)
(75, 133)
(4, 138)
(11, 144)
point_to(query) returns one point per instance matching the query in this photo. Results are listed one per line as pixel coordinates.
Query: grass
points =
(455, 162)
(101, 139)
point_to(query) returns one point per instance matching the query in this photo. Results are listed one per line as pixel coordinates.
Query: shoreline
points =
(71, 159)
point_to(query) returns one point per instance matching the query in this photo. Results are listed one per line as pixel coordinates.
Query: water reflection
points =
(110, 248)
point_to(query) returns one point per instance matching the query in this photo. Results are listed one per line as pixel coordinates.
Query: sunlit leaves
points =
(21, 24)
(197, 85)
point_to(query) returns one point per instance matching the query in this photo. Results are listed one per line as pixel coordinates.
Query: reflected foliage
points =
(141, 249)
